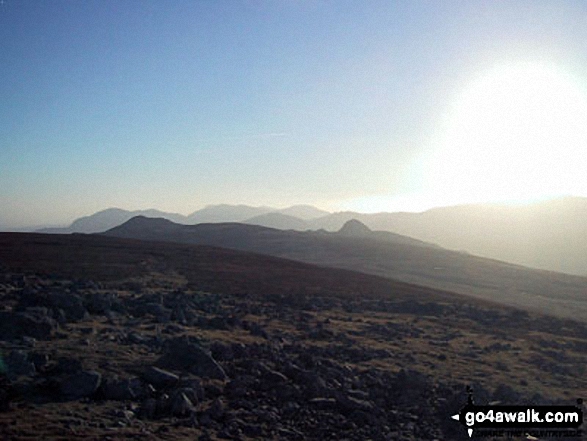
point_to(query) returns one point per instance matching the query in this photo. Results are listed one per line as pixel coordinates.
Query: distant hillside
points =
(549, 235)
(231, 337)
(109, 218)
(355, 228)
(304, 212)
(226, 213)
(215, 269)
(278, 220)
(112, 217)
(248, 214)
(384, 254)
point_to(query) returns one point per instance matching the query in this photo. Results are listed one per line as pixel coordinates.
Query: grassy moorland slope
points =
(108, 338)
(392, 256)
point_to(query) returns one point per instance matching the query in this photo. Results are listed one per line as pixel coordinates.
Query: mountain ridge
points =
(384, 254)
(550, 235)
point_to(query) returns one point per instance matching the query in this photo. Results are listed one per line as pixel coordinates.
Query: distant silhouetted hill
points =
(109, 218)
(226, 213)
(384, 254)
(304, 212)
(549, 235)
(354, 228)
(278, 220)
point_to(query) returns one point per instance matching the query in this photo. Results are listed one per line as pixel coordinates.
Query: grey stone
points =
(148, 408)
(18, 364)
(181, 405)
(184, 355)
(81, 384)
(33, 322)
(122, 390)
(160, 378)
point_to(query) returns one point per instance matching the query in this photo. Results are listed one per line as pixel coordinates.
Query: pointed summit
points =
(354, 227)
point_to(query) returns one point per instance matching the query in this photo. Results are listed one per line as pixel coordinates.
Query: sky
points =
(345, 105)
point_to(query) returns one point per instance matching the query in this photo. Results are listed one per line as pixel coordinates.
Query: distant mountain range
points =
(549, 235)
(111, 217)
(382, 253)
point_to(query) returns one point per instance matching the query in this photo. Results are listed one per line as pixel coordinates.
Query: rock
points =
(221, 352)
(506, 394)
(71, 304)
(217, 410)
(128, 415)
(286, 392)
(146, 304)
(252, 430)
(137, 338)
(178, 315)
(18, 364)
(33, 322)
(411, 386)
(160, 378)
(257, 330)
(40, 360)
(181, 405)
(193, 389)
(349, 404)
(270, 379)
(29, 341)
(212, 390)
(6, 393)
(239, 387)
(273, 377)
(116, 390)
(123, 390)
(68, 365)
(184, 355)
(148, 409)
(289, 433)
(217, 323)
(4, 400)
(314, 385)
(102, 303)
(194, 395)
(80, 385)
(323, 403)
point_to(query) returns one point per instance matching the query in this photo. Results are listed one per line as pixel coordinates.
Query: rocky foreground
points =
(102, 339)
(153, 360)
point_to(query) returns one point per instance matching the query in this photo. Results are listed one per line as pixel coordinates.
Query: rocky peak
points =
(354, 227)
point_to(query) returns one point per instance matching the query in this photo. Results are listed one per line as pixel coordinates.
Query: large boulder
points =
(123, 389)
(181, 405)
(32, 322)
(80, 385)
(160, 378)
(71, 304)
(183, 354)
(18, 364)
(102, 303)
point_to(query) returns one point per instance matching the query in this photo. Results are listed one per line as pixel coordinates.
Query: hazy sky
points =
(364, 105)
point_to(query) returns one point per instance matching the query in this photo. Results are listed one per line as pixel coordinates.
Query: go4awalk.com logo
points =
(532, 421)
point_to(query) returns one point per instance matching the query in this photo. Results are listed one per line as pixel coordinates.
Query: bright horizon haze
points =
(345, 105)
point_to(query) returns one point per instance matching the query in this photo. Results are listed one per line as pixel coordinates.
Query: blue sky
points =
(178, 104)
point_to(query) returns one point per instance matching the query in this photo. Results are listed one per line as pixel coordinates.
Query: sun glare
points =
(517, 133)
